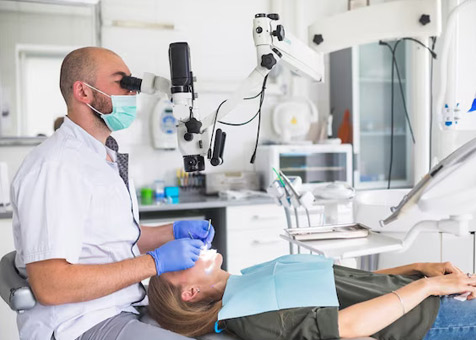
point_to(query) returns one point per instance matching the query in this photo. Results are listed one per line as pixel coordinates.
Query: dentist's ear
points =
(82, 93)
(190, 293)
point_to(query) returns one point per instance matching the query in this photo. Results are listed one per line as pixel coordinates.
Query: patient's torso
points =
(352, 286)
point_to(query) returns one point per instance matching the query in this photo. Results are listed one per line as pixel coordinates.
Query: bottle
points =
(345, 129)
(159, 189)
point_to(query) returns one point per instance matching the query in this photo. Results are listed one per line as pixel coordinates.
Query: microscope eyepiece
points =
(131, 83)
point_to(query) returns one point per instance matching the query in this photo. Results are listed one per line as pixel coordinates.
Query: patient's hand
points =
(437, 269)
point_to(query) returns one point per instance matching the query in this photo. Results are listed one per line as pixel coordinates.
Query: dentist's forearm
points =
(56, 281)
(154, 237)
(354, 320)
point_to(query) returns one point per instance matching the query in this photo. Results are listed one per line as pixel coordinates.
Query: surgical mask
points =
(123, 113)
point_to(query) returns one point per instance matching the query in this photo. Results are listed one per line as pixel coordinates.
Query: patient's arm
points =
(57, 282)
(385, 309)
(426, 269)
(409, 269)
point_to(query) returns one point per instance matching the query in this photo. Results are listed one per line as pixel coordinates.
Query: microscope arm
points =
(273, 45)
(152, 84)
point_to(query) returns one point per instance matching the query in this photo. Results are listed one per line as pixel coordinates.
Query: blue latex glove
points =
(176, 255)
(196, 229)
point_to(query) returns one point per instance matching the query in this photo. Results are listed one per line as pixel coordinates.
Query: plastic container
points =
(159, 192)
(146, 196)
(172, 193)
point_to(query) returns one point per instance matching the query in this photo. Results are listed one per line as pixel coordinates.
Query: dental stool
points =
(16, 292)
(14, 289)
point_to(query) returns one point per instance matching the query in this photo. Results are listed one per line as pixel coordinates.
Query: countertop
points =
(193, 201)
(205, 202)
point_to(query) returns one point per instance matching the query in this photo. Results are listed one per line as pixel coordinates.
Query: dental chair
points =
(16, 292)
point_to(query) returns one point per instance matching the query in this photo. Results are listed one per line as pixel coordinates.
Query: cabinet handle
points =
(258, 217)
(261, 242)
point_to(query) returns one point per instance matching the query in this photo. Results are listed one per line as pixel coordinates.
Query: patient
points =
(408, 302)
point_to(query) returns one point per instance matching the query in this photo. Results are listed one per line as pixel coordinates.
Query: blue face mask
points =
(123, 113)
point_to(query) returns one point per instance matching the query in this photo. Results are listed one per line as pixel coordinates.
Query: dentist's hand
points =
(197, 229)
(176, 255)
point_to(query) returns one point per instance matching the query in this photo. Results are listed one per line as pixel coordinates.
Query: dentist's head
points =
(90, 84)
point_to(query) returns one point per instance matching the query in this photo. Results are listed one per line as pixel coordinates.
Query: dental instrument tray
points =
(327, 232)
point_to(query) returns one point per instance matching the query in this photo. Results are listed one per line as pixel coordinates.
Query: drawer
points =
(255, 216)
(249, 247)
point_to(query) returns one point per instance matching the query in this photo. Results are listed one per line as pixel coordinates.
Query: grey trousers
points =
(128, 326)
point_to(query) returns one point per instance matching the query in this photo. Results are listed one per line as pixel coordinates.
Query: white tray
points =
(375, 243)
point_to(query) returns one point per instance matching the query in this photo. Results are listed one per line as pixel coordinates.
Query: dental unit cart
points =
(448, 189)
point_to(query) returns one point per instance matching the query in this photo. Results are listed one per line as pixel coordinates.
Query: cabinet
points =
(314, 163)
(360, 80)
(253, 235)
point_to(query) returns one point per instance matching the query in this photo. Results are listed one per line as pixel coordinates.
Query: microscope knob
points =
(268, 61)
(273, 16)
(188, 136)
(279, 32)
(424, 19)
(318, 39)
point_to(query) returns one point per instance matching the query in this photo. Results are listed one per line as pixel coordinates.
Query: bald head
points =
(82, 65)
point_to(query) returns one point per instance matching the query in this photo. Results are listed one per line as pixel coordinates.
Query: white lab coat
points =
(70, 203)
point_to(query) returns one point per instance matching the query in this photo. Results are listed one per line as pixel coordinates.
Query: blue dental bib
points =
(289, 281)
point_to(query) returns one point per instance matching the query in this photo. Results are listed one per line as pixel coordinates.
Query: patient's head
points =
(188, 301)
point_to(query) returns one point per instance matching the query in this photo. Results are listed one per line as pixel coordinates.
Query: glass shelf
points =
(381, 133)
(372, 80)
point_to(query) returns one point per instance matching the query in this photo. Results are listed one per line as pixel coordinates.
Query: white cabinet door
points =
(426, 248)
(459, 250)
(253, 235)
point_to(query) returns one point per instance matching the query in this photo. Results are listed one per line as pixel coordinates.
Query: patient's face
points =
(205, 272)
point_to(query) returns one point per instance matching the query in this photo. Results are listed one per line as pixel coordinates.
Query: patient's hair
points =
(171, 312)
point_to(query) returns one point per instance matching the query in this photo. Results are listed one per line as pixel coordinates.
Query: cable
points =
(240, 124)
(431, 99)
(392, 51)
(396, 68)
(209, 152)
(431, 50)
(263, 88)
(249, 120)
(255, 96)
(402, 93)
(308, 217)
(392, 120)
(395, 64)
(261, 95)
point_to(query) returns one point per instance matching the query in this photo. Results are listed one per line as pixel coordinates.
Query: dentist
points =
(76, 221)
